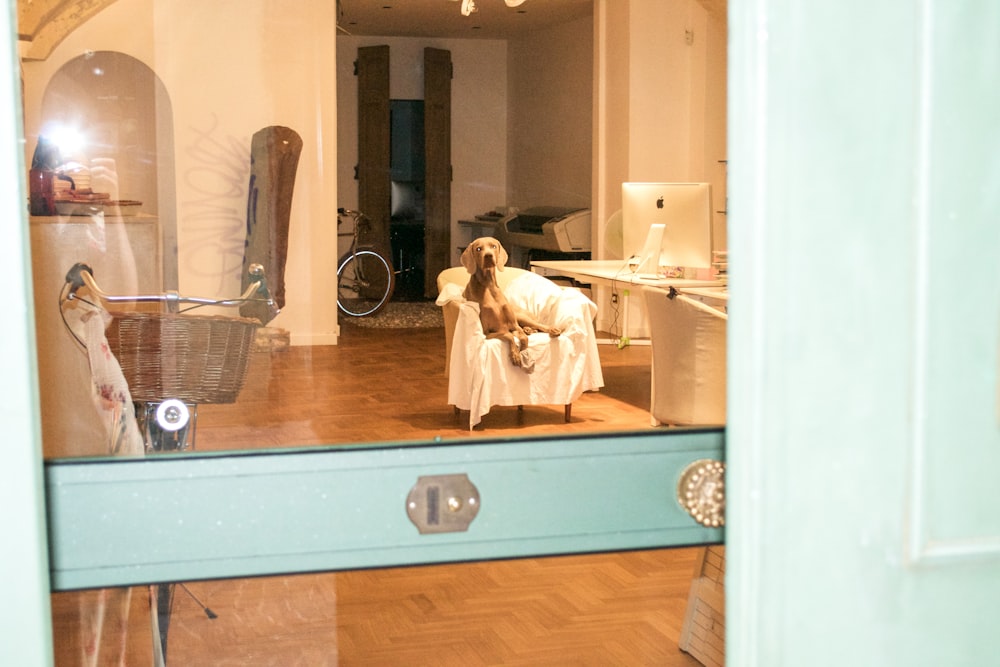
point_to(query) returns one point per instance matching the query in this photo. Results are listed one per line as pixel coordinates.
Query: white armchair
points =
(688, 341)
(480, 374)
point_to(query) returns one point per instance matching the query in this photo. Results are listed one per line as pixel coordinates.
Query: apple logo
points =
(659, 203)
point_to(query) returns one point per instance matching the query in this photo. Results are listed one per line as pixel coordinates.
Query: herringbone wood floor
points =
(388, 385)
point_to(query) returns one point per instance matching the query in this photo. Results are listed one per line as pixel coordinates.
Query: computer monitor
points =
(646, 262)
(685, 212)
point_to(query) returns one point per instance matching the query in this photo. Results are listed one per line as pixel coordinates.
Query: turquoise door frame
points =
(25, 621)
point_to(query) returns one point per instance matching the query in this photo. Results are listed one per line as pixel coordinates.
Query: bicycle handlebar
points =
(81, 275)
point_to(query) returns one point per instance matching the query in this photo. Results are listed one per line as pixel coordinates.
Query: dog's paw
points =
(554, 332)
(528, 330)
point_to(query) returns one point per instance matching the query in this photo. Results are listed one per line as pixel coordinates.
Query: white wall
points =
(660, 106)
(662, 122)
(551, 112)
(677, 86)
(478, 116)
(230, 69)
(716, 34)
(612, 105)
(659, 111)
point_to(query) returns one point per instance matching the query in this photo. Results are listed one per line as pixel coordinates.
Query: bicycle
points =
(365, 278)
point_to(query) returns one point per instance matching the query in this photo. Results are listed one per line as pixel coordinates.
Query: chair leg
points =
(569, 409)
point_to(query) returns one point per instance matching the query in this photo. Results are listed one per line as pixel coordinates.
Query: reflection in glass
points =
(105, 127)
(597, 610)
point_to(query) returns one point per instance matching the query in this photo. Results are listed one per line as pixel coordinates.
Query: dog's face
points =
(484, 253)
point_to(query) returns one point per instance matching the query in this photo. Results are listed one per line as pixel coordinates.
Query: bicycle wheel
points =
(365, 282)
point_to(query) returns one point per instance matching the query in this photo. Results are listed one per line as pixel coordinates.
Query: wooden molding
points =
(44, 24)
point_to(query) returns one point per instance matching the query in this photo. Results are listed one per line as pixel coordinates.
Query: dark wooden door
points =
(437, 142)
(373, 142)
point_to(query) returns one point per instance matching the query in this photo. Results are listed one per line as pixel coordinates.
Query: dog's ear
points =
(469, 258)
(502, 257)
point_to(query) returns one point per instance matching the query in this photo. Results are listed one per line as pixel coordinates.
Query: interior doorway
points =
(374, 173)
(407, 212)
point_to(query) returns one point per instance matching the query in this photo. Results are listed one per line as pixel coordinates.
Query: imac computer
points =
(666, 224)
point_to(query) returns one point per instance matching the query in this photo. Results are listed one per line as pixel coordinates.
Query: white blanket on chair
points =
(480, 373)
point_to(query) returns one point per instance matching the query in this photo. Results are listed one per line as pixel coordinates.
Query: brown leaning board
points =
(274, 159)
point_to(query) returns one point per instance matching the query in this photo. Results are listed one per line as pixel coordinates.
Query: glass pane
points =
(603, 609)
(174, 147)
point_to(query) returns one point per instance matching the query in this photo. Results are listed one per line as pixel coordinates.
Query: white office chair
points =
(688, 341)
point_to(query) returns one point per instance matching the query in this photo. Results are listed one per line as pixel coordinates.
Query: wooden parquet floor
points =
(388, 385)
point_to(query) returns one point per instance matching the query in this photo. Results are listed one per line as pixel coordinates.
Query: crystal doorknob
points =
(701, 490)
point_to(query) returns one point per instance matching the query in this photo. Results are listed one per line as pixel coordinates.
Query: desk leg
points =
(624, 340)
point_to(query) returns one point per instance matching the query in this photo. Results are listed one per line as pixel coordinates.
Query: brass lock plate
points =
(443, 503)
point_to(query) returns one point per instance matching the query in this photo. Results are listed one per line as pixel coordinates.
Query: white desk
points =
(615, 274)
(720, 293)
(717, 297)
(610, 273)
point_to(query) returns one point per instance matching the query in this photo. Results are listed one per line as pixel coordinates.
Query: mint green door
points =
(864, 426)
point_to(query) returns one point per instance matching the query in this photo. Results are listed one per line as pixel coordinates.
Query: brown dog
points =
(482, 259)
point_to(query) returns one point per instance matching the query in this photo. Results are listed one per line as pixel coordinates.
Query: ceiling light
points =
(469, 6)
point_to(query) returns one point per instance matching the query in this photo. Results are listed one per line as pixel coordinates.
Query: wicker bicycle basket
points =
(193, 358)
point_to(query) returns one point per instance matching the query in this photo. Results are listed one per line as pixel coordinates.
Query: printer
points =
(552, 228)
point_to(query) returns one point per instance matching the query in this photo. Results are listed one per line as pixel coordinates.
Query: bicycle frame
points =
(365, 277)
